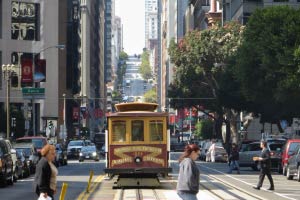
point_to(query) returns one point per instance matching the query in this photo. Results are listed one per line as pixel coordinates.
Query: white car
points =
(74, 148)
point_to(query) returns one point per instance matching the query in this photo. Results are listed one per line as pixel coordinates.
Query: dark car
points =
(38, 141)
(293, 165)
(31, 155)
(61, 155)
(253, 149)
(6, 167)
(288, 150)
(23, 162)
(88, 153)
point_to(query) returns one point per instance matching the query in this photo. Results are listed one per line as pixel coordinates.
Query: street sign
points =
(33, 91)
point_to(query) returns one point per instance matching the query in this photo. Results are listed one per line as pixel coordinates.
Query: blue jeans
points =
(234, 164)
(187, 196)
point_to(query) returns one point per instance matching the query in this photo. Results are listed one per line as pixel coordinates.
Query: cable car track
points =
(137, 194)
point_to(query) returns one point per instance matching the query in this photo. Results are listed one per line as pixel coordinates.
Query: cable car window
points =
(156, 130)
(137, 130)
(119, 131)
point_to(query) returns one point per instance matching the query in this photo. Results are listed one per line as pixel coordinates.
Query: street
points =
(215, 183)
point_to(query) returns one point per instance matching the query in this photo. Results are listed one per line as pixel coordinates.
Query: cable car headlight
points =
(138, 159)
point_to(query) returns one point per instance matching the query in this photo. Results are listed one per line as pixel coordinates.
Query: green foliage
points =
(123, 55)
(150, 96)
(200, 59)
(145, 68)
(204, 129)
(122, 67)
(267, 63)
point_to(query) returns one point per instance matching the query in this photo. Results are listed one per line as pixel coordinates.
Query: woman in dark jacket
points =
(46, 172)
(188, 178)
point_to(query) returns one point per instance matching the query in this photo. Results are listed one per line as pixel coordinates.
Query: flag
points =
(26, 65)
(75, 113)
(40, 70)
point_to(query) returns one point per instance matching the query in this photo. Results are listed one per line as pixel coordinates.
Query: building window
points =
(119, 131)
(0, 18)
(25, 21)
(137, 130)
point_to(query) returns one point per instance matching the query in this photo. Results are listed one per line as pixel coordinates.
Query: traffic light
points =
(50, 126)
(242, 126)
(14, 80)
(13, 122)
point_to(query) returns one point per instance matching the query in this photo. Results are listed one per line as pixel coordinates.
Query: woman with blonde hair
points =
(189, 175)
(46, 173)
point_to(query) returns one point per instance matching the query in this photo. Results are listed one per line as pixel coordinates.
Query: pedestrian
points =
(46, 173)
(234, 159)
(189, 174)
(212, 151)
(265, 163)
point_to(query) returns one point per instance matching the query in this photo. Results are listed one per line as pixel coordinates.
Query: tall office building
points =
(241, 10)
(151, 22)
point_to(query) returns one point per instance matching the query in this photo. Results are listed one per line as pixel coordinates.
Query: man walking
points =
(265, 163)
(234, 159)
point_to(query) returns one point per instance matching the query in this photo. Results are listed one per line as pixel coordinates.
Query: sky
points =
(132, 14)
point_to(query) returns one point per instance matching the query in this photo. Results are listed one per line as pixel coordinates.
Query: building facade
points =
(27, 41)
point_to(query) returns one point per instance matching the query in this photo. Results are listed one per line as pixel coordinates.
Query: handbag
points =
(41, 197)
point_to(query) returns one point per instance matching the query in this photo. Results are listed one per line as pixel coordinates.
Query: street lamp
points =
(59, 46)
(7, 71)
(64, 117)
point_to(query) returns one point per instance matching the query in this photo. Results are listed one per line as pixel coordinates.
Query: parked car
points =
(220, 155)
(16, 165)
(293, 165)
(38, 141)
(253, 149)
(178, 146)
(24, 163)
(102, 151)
(6, 167)
(74, 148)
(31, 155)
(287, 150)
(89, 153)
(204, 150)
(61, 155)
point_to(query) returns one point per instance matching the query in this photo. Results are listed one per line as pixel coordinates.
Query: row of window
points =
(137, 131)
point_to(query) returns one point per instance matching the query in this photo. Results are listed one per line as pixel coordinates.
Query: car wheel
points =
(284, 170)
(3, 179)
(256, 167)
(15, 176)
(11, 179)
(288, 174)
(298, 174)
(279, 169)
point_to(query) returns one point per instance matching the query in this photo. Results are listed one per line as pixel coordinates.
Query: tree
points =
(123, 55)
(201, 59)
(267, 63)
(145, 68)
(204, 128)
(150, 96)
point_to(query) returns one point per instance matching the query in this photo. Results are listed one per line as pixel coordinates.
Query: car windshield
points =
(38, 143)
(274, 147)
(293, 146)
(75, 143)
(88, 148)
(26, 151)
